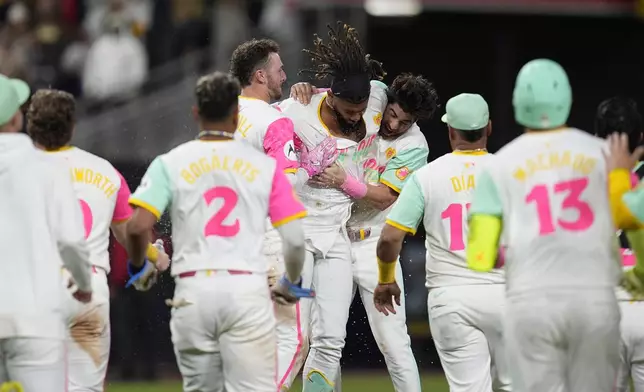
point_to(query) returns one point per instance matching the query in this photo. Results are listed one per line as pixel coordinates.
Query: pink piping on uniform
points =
(298, 349)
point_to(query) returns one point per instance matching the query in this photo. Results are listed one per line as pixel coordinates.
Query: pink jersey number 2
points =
(455, 215)
(540, 195)
(215, 225)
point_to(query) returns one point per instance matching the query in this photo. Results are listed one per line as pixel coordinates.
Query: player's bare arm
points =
(403, 219)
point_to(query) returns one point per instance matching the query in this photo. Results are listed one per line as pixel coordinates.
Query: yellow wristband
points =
(386, 271)
(152, 253)
(619, 183)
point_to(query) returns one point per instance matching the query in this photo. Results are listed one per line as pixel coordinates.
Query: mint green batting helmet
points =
(542, 95)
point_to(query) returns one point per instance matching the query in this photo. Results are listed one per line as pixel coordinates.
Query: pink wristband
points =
(354, 188)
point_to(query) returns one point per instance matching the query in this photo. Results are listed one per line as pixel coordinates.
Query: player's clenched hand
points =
(384, 297)
(163, 260)
(82, 296)
(333, 177)
(619, 155)
(302, 92)
(143, 279)
(286, 293)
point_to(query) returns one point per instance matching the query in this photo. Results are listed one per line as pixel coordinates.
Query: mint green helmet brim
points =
(542, 95)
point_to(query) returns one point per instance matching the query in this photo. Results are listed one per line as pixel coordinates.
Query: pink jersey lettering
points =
(283, 205)
(278, 144)
(122, 209)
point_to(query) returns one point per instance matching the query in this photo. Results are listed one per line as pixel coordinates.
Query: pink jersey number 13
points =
(540, 195)
(215, 225)
(456, 217)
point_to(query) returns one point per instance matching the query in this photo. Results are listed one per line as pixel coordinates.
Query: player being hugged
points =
(546, 191)
(41, 224)
(219, 192)
(342, 113)
(103, 196)
(464, 306)
(397, 150)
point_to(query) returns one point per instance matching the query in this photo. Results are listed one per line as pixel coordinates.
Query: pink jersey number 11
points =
(540, 195)
(456, 217)
(215, 225)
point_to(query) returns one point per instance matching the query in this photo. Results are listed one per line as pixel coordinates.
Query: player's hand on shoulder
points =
(285, 292)
(384, 297)
(619, 155)
(82, 296)
(303, 92)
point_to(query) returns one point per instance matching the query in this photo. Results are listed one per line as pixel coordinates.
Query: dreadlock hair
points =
(344, 60)
(619, 114)
(415, 95)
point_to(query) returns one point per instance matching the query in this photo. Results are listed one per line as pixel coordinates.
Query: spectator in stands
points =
(16, 43)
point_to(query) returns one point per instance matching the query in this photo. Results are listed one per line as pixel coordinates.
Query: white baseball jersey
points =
(219, 194)
(328, 208)
(103, 196)
(41, 223)
(550, 188)
(440, 194)
(268, 130)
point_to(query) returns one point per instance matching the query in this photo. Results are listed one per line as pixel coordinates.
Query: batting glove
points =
(287, 293)
(314, 161)
(142, 278)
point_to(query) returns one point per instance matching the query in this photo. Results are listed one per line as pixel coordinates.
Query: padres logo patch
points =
(377, 119)
(402, 173)
(390, 152)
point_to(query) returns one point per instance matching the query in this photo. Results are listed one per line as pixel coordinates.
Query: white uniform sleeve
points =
(292, 235)
(66, 222)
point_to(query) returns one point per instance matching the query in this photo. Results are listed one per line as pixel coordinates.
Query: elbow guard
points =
(483, 242)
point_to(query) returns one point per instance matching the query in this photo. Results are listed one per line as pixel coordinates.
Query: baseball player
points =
(41, 224)
(547, 191)
(103, 196)
(464, 306)
(398, 149)
(219, 192)
(257, 65)
(620, 115)
(342, 113)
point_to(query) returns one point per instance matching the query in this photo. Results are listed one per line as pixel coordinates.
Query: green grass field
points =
(372, 382)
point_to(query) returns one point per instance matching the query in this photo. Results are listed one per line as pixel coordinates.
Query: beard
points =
(346, 127)
(274, 89)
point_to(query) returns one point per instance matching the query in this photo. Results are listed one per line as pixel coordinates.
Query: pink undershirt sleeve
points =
(284, 206)
(278, 144)
(122, 209)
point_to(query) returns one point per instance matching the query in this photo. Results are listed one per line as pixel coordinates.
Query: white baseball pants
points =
(88, 337)
(36, 364)
(632, 346)
(223, 331)
(563, 341)
(390, 332)
(466, 325)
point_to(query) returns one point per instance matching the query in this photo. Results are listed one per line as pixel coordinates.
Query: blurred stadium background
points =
(133, 63)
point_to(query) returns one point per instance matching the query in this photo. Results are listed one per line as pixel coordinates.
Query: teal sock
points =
(316, 383)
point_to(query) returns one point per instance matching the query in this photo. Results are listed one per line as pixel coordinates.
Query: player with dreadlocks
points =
(343, 113)
(397, 150)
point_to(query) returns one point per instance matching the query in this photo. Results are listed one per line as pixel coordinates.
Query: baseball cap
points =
(13, 94)
(542, 95)
(467, 112)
